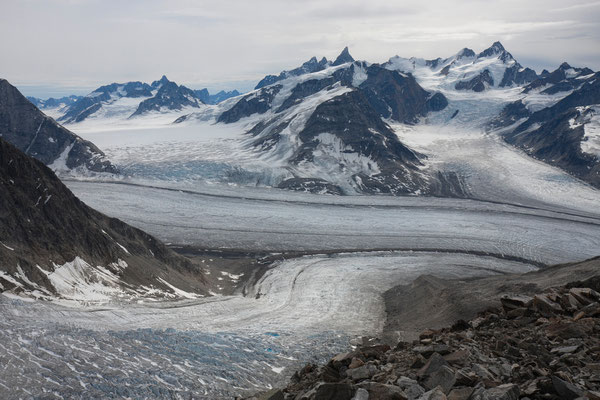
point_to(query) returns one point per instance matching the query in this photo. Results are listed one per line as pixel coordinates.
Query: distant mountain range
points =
(327, 123)
(130, 99)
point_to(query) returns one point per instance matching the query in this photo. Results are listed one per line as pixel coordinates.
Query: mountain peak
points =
(564, 66)
(161, 81)
(498, 45)
(496, 49)
(466, 52)
(344, 57)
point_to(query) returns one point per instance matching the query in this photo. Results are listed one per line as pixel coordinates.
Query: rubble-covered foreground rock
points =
(542, 347)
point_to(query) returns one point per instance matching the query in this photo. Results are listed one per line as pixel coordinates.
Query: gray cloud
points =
(86, 43)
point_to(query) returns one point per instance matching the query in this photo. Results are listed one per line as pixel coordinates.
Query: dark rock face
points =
(558, 81)
(517, 75)
(500, 354)
(510, 114)
(358, 126)
(42, 222)
(54, 103)
(477, 84)
(397, 96)
(255, 103)
(555, 141)
(203, 95)
(496, 49)
(39, 136)
(343, 58)
(88, 105)
(305, 89)
(308, 67)
(465, 53)
(437, 102)
(170, 96)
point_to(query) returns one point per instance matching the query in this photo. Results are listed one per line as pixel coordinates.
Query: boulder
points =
(435, 394)
(463, 393)
(410, 387)
(566, 390)
(333, 391)
(459, 357)
(273, 394)
(585, 295)
(361, 373)
(545, 306)
(380, 391)
(502, 392)
(361, 394)
(443, 377)
(515, 301)
(435, 362)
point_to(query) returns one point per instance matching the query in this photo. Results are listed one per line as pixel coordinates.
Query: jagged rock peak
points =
(162, 81)
(495, 48)
(466, 52)
(564, 66)
(344, 57)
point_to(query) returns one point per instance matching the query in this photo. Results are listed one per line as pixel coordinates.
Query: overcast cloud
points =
(52, 47)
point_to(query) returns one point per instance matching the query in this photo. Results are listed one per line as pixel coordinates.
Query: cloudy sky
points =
(54, 47)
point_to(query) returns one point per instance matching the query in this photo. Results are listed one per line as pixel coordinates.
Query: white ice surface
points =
(591, 138)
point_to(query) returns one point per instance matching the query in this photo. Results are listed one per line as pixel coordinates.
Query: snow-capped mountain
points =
(168, 95)
(54, 246)
(494, 67)
(121, 101)
(39, 136)
(324, 124)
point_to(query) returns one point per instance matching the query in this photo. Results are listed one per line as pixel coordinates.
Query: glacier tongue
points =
(218, 347)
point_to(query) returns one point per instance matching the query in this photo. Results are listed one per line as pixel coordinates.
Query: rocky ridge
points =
(52, 245)
(544, 346)
(39, 136)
